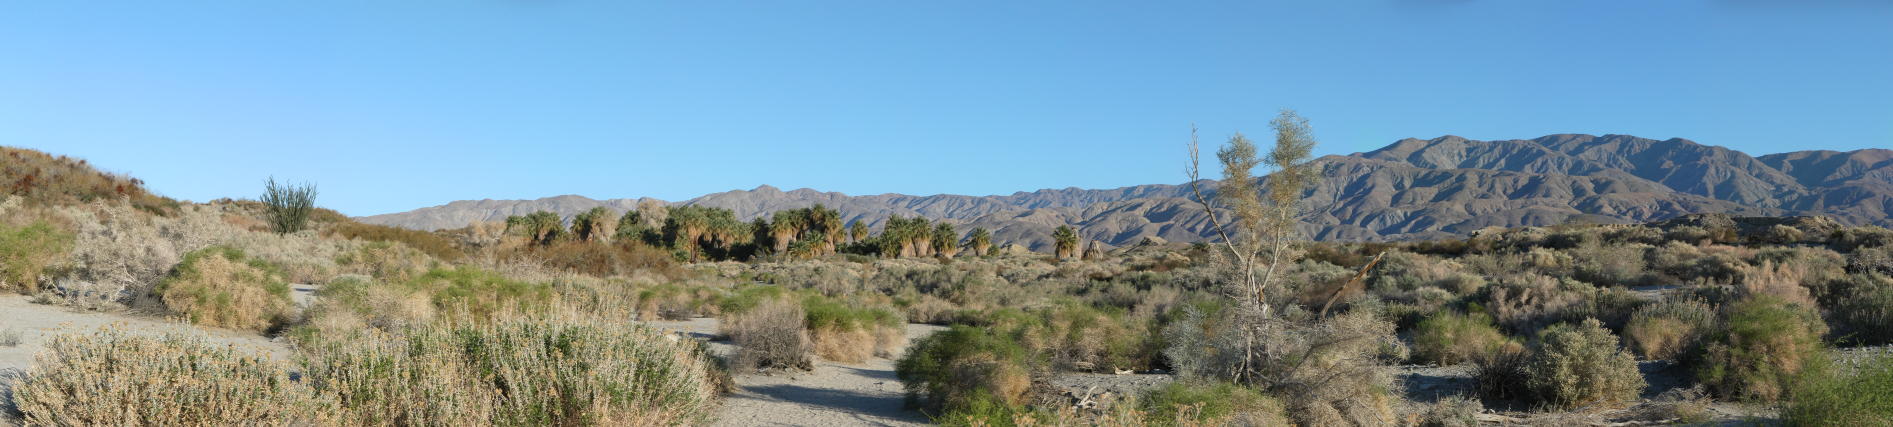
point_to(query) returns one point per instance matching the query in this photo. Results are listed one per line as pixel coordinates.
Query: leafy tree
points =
(288, 205)
(1064, 242)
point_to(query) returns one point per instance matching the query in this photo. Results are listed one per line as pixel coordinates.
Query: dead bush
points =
(770, 336)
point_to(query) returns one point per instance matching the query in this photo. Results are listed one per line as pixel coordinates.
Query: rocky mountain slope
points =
(1411, 189)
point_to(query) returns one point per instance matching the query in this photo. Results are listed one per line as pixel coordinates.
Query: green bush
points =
(220, 286)
(1762, 347)
(1580, 365)
(1210, 403)
(1828, 396)
(472, 294)
(1865, 314)
(963, 367)
(1450, 338)
(26, 252)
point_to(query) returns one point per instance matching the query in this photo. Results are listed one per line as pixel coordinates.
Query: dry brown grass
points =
(389, 261)
(44, 179)
(113, 377)
(1664, 330)
(433, 244)
(222, 287)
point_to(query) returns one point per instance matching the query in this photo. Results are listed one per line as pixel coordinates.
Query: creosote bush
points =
(1859, 395)
(222, 287)
(1580, 365)
(113, 377)
(1210, 403)
(1761, 349)
(1449, 338)
(964, 367)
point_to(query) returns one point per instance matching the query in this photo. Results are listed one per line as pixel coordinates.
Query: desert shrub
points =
(112, 377)
(850, 331)
(10, 337)
(1449, 337)
(1691, 263)
(1331, 371)
(433, 244)
(1762, 345)
(384, 260)
(677, 302)
(1781, 234)
(1862, 312)
(1780, 281)
(1453, 411)
(1871, 260)
(223, 287)
(770, 335)
(1501, 374)
(1580, 365)
(963, 367)
(1666, 329)
(27, 251)
(1854, 238)
(1610, 265)
(1844, 396)
(1210, 403)
(601, 259)
(517, 372)
(473, 294)
(1524, 303)
(350, 304)
(287, 206)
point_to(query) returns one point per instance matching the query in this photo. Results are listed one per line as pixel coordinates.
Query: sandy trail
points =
(833, 394)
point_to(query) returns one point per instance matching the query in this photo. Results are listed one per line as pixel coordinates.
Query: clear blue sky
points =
(394, 105)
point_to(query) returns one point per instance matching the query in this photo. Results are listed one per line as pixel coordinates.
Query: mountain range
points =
(1411, 189)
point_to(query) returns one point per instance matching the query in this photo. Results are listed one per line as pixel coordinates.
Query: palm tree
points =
(946, 241)
(594, 223)
(787, 228)
(540, 227)
(981, 242)
(1065, 241)
(857, 231)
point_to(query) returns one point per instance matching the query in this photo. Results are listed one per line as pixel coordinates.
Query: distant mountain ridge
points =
(1412, 188)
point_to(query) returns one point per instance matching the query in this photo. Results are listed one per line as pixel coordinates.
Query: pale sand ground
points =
(833, 394)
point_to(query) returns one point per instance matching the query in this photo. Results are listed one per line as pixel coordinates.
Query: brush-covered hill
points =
(1413, 188)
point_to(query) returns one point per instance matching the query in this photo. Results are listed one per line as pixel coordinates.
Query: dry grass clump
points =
(518, 372)
(1450, 338)
(1862, 308)
(10, 337)
(770, 335)
(350, 304)
(1580, 365)
(1452, 411)
(851, 331)
(470, 294)
(433, 244)
(28, 248)
(1610, 265)
(598, 258)
(389, 261)
(112, 377)
(1526, 302)
(223, 287)
(1666, 329)
(1762, 347)
(1184, 403)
